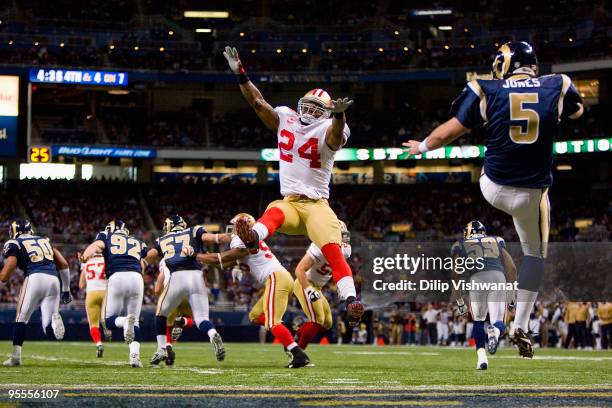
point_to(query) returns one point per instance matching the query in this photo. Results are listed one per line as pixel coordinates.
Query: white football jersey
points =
(164, 269)
(320, 273)
(261, 262)
(305, 161)
(95, 276)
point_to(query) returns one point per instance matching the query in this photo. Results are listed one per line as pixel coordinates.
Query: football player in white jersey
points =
(93, 280)
(307, 142)
(312, 273)
(266, 269)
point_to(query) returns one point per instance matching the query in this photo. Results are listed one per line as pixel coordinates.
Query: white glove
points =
(236, 274)
(187, 251)
(461, 308)
(312, 293)
(233, 60)
(341, 104)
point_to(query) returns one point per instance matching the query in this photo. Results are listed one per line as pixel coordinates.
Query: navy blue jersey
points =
(122, 253)
(486, 248)
(171, 244)
(34, 254)
(520, 116)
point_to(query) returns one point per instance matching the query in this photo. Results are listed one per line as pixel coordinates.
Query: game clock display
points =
(78, 77)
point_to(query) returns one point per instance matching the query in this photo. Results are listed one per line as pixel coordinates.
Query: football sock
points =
(308, 331)
(207, 327)
(134, 347)
(530, 276)
(137, 333)
(341, 271)
(168, 336)
(272, 219)
(113, 322)
(18, 334)
(94, 332)
(188, 322)
(16, 351)
(480, 336)
(282, 334)
(161, 329)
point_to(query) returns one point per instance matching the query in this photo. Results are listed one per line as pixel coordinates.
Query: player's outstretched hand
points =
(313, 294)
(412, 147)
(236, 274)
(66, 298)
(341, 104)
(233, 60)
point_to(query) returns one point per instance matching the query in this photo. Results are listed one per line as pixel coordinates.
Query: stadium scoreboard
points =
(78, 77)
(39, 154)
(9, 114)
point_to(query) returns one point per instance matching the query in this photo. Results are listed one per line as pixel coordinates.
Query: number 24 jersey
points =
(305, 160)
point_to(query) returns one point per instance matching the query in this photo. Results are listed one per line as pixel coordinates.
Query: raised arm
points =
(441, 136)
(264, 110)
(334, 137)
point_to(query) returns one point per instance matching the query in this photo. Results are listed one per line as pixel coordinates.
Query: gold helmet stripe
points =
(505, 50)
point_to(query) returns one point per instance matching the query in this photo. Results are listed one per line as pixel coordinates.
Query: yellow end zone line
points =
(334, 403)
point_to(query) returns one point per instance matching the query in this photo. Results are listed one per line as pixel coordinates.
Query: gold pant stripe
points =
(270, 309)
(544, 222)
(24, 287)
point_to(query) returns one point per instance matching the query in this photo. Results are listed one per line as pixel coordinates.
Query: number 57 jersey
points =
(305, 160)
(520, 117)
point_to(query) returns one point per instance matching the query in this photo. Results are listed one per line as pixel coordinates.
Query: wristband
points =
(423, 146)
(220, 262)
(243, 78)
(217, 238)
(339, 115)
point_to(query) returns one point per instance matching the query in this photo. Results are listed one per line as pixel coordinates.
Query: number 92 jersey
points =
(486, 248)
(122, 253)
(305, 160)
(520, 116)
(170, 246)
(34, 254)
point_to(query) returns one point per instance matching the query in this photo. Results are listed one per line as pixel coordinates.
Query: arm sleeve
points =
(466, 107)
(236, 242)
(65, 279)
(11, 248)
(571, 99)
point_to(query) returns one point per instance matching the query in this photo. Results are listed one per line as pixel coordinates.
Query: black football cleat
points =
(99, 351)
(354, 311)
(159, 356)
(524, 342)
(298, 358)
(177, 328)
(245, 233)
(171, 355)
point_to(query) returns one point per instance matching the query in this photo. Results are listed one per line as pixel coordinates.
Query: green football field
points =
(254, 375)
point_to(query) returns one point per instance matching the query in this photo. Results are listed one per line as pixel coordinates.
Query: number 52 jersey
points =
(520, 117)
(305, 160)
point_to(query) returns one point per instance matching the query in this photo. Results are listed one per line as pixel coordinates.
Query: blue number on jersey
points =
(34, 254)
(122, 253)
(520, 116)
(170, 246)
(487, 248)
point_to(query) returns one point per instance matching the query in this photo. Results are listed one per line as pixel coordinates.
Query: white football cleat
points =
(57, 324)
(12, 362)
(128, 331)
(218, 346)
(135, 360)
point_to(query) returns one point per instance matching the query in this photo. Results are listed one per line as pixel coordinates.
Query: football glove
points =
(66, 297)
(461, 308)
(511, 302)
(312, 294)
(233, 60)
(187, 251)
(341, 104)
(236, 273)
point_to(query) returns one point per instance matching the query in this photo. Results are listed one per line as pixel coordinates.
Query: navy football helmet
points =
(117, 226)
(474, 228)
(515, 57)
(174, 222)
(20, 226)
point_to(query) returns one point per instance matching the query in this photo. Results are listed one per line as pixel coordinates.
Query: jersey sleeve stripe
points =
(564, 87)
(475, 87)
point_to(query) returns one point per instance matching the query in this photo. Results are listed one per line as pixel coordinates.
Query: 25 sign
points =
(39, 154)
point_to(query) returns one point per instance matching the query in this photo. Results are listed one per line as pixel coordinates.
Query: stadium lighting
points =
(304, 50)
(472, 46)
(136, 48)
(445, 28)
(278, 50)
(330, 50)
(253, 51)
(62, 45)
(206, 14)
(203, 30)
(419, 50)
(112, 47)
(171, 32)
(36, 43)
(439, 12)
(564, 167)
(446, 47)
(571, 39)
(11, 42)
(396, 32)
(381, 49)
(242, 34)
(162, 49)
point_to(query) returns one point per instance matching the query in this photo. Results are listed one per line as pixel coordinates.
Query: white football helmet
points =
(314, 106)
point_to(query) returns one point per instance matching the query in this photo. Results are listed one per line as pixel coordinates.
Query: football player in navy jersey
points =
(186, 282)
(123, 257)
(520, 113)
(40, 263)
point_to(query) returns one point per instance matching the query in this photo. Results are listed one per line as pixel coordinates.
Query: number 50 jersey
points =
(34, 254)
(305, 160)
(170, 246)
(122, 253)
(520, 116)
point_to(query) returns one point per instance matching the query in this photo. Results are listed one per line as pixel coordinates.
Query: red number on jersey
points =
(308, 151)
(266, 249)
(285, 147)
(91, 270)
